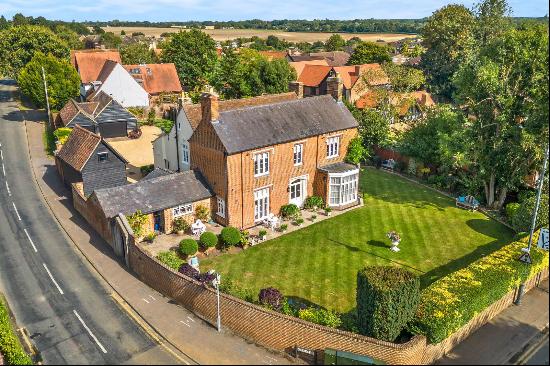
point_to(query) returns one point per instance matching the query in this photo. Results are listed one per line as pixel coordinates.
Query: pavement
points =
(509, 336)
(172, 325)
(65, 308)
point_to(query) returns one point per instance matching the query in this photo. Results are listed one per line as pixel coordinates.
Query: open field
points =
(227, 34)
(320, 262)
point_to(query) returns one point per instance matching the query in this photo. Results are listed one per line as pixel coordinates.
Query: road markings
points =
(145, 300)
(90, 332)
(8, 188)
(53, 279)
(17, 212)
(152, 297)
(1, 155)
(3, 169)
(190, 319)
(32, 243)
(182, 322)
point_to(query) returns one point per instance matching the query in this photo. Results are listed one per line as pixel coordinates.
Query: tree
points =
(19, 43)
(96, 29)
(521, 220)
(69, 36)
(502, 87)
(194, 54)
(335, 43)
(229, 78)
(368, 53)
(374, 126)
(448, 36)
(404, 78)
(3, 23)
(357, 152)
(62, 79)
(137, 53)
(19, 19)
(110, 40)
(493, 18)
(275, 76)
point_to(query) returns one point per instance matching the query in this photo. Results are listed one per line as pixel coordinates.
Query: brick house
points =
(259, 158)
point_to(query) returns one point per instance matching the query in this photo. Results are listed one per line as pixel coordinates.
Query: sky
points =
(182, 10)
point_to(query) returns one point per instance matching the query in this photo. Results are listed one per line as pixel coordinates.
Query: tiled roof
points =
(158, 172)
(194, 111)
(338, 167)
(299, 65)
(368, 100)
(68, 112)
(256, 127)
(151, 195)
(106, 70)
(89, 64)
(404, 101)
(156, 78)
(273, 55)
(79, 147)
(334, 58)
(313, 75)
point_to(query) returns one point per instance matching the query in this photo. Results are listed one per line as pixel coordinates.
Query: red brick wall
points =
(89, 208)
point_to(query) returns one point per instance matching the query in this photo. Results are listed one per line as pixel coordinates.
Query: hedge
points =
(230, 236)
(11, 348)
(451, 302)
(188, 247)
(387, 298)
(171, 259)
(208, 240)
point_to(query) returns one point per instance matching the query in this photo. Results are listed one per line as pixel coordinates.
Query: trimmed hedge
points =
(387, 298)
(188, 247)
(208, 240)
(451, 302)
(11, 348)
(230, 236)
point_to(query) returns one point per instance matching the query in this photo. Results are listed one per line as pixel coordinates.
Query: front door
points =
(298, 191)
(261, 204)
(159, 227)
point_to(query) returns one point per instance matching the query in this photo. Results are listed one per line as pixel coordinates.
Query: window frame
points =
(333, 147)
(298, 149)
(185, 153)
(181, 210)
(220, 204)
(347, 188)
(262, 195)
(103, 156)
(261, 163)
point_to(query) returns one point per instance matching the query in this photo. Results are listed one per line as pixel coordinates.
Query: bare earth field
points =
(227, 34)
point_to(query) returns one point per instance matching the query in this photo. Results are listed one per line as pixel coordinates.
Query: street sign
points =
(526, 258)
(544, 237)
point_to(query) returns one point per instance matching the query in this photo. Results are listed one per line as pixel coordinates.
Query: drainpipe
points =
(178, 144)
(242, 193)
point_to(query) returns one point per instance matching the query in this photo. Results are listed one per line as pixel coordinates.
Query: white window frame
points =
(348, 192)
(261, 196)
(221, 207)
(185, 153)
(298, 154)
(333, 147)
(182, 210)
(261, 164)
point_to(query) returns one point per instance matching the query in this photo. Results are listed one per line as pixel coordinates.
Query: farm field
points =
(319, 263)
(228, 34)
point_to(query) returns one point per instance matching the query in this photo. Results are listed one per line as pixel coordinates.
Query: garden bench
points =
(388, 164)
(467, 202)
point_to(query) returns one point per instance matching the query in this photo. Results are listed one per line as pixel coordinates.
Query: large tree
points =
(69, 36)
(368, 53)
(404, 78)
(493, 18)
(194, 54)
(229, 76)
(448, 36)
(505, 88)
(335, 43)
(19, 43)
(110, 40)
(137, 53)
(62, 80)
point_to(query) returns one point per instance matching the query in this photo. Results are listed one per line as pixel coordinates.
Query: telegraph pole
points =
(46, 92)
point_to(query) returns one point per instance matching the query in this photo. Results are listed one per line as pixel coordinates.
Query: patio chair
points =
(467, 202)
(388, 164)
(198, 228)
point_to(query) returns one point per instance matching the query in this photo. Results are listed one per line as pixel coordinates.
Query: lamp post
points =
(46, 92)
(216, 282)
(527, 250)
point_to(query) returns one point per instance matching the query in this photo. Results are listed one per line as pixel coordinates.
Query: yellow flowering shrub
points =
(452, 301)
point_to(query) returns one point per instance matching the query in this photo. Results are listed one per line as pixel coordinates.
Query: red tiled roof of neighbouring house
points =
(299, 65)
(404, 101)
(89, 63)
(350, 74)
(368, 100)
(156, 78)
(273, 55)
(313, 75)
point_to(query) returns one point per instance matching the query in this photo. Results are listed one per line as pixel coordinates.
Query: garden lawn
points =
(320, 262)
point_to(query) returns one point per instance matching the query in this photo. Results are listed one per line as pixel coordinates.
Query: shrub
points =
(511, 209)
(208, 240)
(62, 134)
(10, 347)
(150, 237)
(206, 277)
(136, 221)
(290, 211)
(299, 221)
(313, 217)
(263, 232)
(151, 115)
(284, 227)
(357, 152)
(138, 112)
(452, 301)
(387, 298)
(187, 270)
(245, 236)
(230, 287)
(411, 169)
(271, 298)
(320, 316)
(328, 209)
(171, 259)
(202, 213)
(314, 201)
(146, 169)
(230, 236)
(179, 224)
(522, 219)
(188, 247)
(377, 161)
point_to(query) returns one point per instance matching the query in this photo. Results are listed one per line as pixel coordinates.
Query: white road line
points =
(3, 169)
(17, 212)
(190, 319)
(1, 155)
(53, 279)
(32, 243)
(145, 300)
(152, 297)
(90, 332)
(8, 188)
(182, 322)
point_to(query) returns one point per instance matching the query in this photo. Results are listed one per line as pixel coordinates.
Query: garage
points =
(113, 129)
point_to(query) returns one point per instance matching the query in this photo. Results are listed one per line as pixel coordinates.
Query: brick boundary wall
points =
(277, 331)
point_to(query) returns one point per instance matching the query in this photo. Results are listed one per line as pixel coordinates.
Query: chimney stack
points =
(297, 87)
(335, 86)
(209, 107)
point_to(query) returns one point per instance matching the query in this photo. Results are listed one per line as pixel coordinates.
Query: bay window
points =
(343, 188)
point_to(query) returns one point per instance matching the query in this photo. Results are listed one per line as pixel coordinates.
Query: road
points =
(540, 357)
(53, 292)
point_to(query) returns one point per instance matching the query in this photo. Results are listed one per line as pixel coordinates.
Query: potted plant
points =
(150, 237)
(313, 217)
(299, 221)
(328, 210)
(180, 226)
(395, 240)
(263, 234)
(284, 227)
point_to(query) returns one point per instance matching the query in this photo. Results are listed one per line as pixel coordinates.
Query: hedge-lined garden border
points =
(10, 346)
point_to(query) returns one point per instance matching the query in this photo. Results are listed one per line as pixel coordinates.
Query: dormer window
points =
(102, 156)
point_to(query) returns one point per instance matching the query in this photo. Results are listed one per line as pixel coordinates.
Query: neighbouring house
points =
(89, 63)
(258, 158)
(352, 81)
(103, 115)
(334, 58)
(410, 106)
(171, 150)
(160, 81)
(162, 198)
(115, 81)
(274, 55)
(299, 65)
(88, 160)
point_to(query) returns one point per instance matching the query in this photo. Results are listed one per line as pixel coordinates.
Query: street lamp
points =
(216, 283)
(525, 257)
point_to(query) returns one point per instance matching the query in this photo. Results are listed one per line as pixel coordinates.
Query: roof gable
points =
(79, 147)
(89, 64)
(313, 75)
(156, 78)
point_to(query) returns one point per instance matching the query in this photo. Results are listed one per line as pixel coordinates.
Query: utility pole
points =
(527, 251)
(46, 92)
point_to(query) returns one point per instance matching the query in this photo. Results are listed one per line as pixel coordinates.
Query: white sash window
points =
(261, 204)
(343, 188)
(261, 164)
(333, 147)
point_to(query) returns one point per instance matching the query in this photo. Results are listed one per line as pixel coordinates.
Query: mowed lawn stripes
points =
(319, 263)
